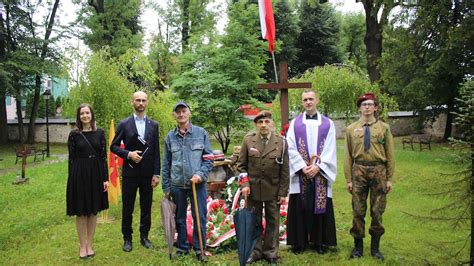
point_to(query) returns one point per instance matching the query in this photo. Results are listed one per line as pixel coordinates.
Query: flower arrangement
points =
(220, 223)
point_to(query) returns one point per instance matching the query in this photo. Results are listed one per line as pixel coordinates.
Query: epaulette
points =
(280, 136)
(250, 134)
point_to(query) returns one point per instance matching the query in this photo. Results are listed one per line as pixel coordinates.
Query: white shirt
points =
(140, 124)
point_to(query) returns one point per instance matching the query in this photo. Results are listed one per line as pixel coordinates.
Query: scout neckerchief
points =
(320, 197)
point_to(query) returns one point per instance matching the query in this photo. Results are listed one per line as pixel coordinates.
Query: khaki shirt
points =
(381, 146)
(268, 179)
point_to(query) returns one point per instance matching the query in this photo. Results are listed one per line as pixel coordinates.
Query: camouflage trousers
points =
(367, 179)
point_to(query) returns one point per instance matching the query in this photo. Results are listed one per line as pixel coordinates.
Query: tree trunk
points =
(373, 42)
(21, 129)
(34, 111)
(44, 49)
(185, 26)
(472, 201)
(449, 124)
(3, 119)
(3, 105)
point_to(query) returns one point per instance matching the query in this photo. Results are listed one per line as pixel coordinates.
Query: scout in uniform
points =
(264, 179)
(368, 166)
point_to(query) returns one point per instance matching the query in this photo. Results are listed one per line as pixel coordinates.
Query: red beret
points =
(263, 114)
(365, 97)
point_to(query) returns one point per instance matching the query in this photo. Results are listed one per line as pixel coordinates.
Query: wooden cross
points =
(283, 85)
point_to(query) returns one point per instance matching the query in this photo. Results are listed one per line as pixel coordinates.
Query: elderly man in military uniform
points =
(368, 167)
(264, 179)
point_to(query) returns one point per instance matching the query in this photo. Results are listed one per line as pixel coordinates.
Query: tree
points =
(338, 88)
(28, 55)
(5, 83)
(376, 18)
(221, 76)
(41, 107)
(109, 92)
(352, 39)
(163, 61)
(428, 58)
(113, 24)
(463, 120)
(287, 31)
(317, 42)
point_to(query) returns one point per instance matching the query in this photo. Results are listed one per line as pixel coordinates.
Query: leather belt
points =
(369, 163)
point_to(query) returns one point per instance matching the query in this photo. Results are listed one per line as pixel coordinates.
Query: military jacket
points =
(267, 167)
(381, 146)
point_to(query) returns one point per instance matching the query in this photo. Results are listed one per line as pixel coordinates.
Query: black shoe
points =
(252, 260)
(127, 245)
(202, 258)
(179, 254)
(145, 242)
(320, 249)
(378, 255)
(356, 253)
(374, 248)
(358, 250)
(297, 249)
(272, 261)
(83, 258)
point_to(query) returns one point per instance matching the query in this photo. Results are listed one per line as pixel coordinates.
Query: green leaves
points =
(220, 74)
(338, 88)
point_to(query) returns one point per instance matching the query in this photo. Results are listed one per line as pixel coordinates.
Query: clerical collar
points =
(314, 117)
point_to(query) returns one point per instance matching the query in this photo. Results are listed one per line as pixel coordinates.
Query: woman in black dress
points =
(87, 182)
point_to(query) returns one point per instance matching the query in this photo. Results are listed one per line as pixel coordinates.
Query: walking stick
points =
(198, 218)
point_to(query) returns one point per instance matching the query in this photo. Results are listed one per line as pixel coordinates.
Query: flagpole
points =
(275, 66)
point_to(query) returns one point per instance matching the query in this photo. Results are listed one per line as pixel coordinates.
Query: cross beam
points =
(283, 86)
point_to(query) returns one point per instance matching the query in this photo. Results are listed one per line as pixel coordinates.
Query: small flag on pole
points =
(114, 182)
(267, 22)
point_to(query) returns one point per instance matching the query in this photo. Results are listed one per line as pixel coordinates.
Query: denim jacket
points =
(183, 157)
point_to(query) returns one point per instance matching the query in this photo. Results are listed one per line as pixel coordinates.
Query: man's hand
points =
(246, 192)
(311, 170)
(349, 187)
(106, 186)
(135, 156)
(155, 181)
(196, 179)
(389, 186)
(281, 200)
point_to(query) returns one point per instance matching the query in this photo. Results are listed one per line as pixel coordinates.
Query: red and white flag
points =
(267, 22)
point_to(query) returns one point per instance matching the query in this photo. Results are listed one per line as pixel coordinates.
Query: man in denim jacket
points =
(187, 159)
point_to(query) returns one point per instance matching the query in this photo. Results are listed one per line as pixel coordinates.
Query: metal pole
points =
(47, 128)
(275, 67)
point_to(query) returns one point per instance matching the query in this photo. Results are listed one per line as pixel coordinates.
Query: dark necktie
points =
(264, 141)
(367, 137)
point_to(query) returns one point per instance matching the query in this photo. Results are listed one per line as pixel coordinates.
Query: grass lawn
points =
(34, 228)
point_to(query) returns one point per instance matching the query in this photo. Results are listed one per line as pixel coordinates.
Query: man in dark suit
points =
(141, 167)
(264, 179)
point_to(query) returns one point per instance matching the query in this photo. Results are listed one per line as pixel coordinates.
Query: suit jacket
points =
(268, 179)
(150, 163)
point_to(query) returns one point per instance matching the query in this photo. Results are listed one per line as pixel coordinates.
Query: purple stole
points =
(320, 184)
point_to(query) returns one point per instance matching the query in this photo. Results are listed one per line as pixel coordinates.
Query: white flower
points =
(231, 180)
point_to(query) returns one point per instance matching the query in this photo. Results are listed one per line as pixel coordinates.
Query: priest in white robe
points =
(313, 167)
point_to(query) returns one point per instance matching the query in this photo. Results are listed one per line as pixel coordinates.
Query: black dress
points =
(87, 172)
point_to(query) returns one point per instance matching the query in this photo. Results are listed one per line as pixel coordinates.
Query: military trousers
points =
(267, 244)
(368, 179)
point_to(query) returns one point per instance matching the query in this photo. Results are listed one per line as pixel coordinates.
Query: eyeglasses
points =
(367, 104)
